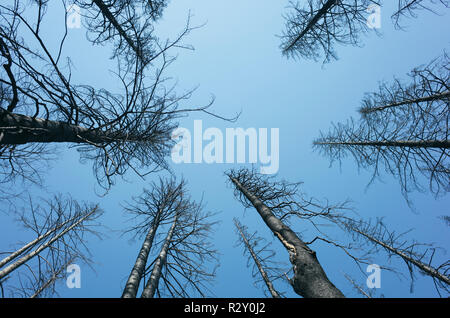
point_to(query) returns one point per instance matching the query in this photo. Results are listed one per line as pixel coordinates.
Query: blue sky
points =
(237, 59)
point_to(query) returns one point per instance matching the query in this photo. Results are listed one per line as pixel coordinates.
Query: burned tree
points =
(313, 30)
(260, 255)
(417, 256)
(42, 105)
(61, 228)
(404, 129)
(177, 232)
(274, 202)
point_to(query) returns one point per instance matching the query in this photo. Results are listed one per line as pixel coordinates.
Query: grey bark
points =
(29, 245)
(309, 280)
(21, 129)
(132, 285)
(440, 96)
(36, 252)
(394, 143)
(424, 267)
(311, 23)
(153, 282)
(263, 273)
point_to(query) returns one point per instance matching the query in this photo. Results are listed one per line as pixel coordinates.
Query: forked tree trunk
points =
(42, 247)
(309, 280)
(263, 273)
(153, 282)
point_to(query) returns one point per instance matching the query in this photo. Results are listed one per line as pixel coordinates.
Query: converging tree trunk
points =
(4, 272)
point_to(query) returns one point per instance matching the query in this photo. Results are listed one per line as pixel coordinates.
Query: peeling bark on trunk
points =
(309, 280)
(153, 282)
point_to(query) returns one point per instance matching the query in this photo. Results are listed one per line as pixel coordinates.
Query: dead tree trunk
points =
(440, 96)
(152, 284)
(20, 129)
(50, 281)
(29, 245)
(132, 285)
(36, 252)
(310, 280)
(311, 23)
(427, 269)
(263, 273)
(445, 144)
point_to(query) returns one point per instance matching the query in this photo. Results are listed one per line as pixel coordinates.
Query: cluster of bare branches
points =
(404, 129)
(42, 105)
(178, 232)
(417, 256)
(313, 30)
(61, 228)
(285, 199)
(265, 271)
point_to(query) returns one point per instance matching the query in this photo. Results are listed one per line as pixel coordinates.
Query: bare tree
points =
(41, 105)
(184, 252)
(256, 191)
(155, 206)
(408, 8)
(61, 229)
(260, 255)
(404, 128)
(313, 30)
(417, 256)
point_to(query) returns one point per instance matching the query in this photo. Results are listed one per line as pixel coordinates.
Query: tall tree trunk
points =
(26, 247)
(132, 285)
(21, 129)
(422, 266)
(311, 23)
(263, 273)
(392, 143)
(50, 281)
(32, 254)
(153, 282)
(310, 280)
(440, 96)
